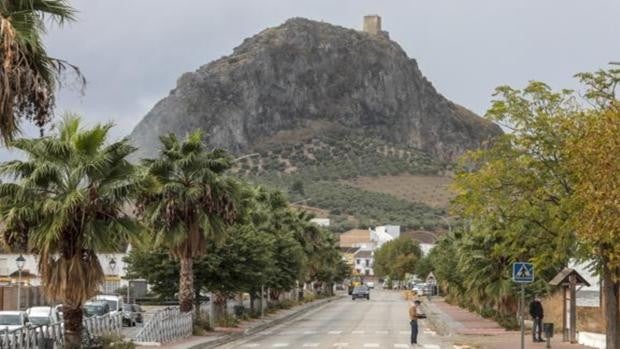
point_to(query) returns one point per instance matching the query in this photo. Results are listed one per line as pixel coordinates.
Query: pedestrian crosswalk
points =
(340, 338)
(339, 345)
(343, 332)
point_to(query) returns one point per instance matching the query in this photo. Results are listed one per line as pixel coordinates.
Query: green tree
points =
(68, 201)
(396, 258)
(546, 191)
(593, 157)
(29, 74)
(188, 202)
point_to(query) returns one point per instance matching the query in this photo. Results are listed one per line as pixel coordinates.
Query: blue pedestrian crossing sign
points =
(522, 272)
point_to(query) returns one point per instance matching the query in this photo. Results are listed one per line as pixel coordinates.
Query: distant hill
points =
(330, 110)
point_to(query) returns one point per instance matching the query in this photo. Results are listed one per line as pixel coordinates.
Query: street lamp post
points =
(112, 264)
(20, 261)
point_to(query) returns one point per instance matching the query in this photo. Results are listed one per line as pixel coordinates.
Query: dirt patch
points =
(430, 190)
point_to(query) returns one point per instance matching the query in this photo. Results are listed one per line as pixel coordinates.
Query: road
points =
(381, 322)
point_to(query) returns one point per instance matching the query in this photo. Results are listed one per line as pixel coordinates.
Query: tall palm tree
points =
(189, 202)
(28, 76)
(68, 198)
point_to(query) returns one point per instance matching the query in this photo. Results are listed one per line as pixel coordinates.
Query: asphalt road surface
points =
(381, 322)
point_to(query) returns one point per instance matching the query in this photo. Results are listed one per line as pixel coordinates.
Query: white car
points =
(114, 302)
(370, 285)
(12, 320)
(43, 316)
(420, 289)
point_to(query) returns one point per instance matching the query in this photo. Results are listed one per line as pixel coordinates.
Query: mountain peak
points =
(303, 72)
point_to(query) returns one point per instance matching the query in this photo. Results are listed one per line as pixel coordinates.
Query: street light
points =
(112, 264)
(20, 261)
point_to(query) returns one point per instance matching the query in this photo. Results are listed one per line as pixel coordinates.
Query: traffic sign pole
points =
(522, 316)
(522, 273)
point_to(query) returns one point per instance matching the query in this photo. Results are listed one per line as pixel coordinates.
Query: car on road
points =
(13, 320)
(370, 284)
(39, 316)
(361, 291)
(419, 289)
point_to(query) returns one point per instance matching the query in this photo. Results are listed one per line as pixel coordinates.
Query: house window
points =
(359, 262)
(367, 272)
(367, 263)
(358, 271)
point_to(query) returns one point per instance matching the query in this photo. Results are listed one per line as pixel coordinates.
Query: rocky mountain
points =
(304, 78)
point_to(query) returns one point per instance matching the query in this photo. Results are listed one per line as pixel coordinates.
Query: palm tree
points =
(68, 199)
(188, 202)
(28, 76)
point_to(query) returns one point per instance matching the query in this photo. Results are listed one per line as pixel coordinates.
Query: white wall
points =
(426, 248)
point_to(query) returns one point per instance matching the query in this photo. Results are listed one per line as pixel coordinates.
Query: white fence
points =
(165, 326)
(52, 336)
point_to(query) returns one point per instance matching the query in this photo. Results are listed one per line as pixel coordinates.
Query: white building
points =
(112, 264)
(321, 222)
(364, 262)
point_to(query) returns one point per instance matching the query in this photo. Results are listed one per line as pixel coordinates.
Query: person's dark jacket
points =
(536, 309)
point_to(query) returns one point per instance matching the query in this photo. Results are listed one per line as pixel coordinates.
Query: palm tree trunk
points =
(611, 292)
(73, 327)
(186, 285)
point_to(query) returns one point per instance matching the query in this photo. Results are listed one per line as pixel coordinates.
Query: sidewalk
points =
(224, 335)
(470, 329)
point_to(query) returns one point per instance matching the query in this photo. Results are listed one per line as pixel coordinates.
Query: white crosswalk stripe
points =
(371, 345)
(341, 345)
(404, 332)
(431, 346)
(334, 332)
(310, 332)
(280, 345)
(311, 345)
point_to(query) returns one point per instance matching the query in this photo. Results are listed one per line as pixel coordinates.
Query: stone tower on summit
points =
(372, 25)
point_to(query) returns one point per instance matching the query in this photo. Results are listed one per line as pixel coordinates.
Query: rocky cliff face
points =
(303, 72)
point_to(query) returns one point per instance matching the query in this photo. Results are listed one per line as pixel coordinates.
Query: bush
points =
(116, 342)
(201, 326)
(228, 321)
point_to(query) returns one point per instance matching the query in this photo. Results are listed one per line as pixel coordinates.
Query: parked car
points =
(58, 310)
(361, 291)
(138, 310)
(115, 303)
(39, 316)
(132, 314)
(370, 284)
(13, 320)
(96, 308)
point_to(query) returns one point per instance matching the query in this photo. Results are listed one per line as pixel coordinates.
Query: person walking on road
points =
(413, 320)
(537, 314)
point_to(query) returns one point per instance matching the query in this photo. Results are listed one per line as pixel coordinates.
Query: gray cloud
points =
(132, 51)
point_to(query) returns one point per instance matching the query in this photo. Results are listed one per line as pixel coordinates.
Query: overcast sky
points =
(132, 51)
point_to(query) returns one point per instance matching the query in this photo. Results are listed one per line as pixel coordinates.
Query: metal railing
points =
(165, 326)
(52, 336)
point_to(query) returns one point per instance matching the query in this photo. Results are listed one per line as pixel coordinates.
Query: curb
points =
(250, 331)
